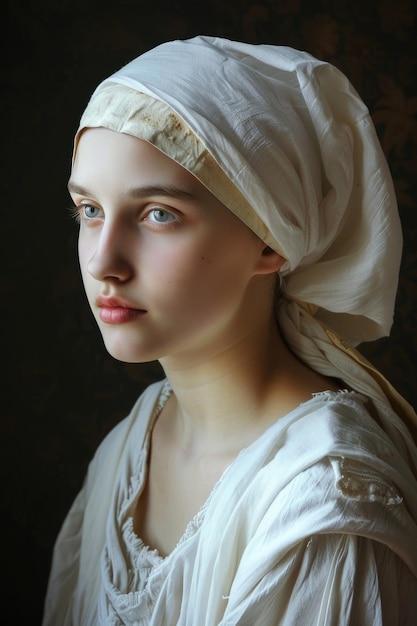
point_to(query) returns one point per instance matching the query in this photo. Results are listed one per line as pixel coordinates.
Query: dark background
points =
(62, 392)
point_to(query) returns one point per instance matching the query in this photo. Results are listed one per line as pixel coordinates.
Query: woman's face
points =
(166, 267)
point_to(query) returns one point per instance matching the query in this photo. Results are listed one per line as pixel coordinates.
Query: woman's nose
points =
(110, 260)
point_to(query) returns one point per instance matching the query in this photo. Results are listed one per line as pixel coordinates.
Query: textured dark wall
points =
(63, 393)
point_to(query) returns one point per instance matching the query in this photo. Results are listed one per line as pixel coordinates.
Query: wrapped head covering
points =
(285, 142)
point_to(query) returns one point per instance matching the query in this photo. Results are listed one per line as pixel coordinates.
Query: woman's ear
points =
(269, 261)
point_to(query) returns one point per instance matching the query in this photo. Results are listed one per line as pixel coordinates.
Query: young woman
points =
(238, 224)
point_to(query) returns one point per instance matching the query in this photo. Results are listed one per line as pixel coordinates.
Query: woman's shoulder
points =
(331, 467)
(338, 425)
(328, 421)
(331, 439)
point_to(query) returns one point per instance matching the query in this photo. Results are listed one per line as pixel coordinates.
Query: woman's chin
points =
(129, 353)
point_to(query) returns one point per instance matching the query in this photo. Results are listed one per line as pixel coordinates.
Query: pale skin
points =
(196, 289)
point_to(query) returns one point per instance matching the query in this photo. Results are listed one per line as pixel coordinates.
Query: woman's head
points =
(167, 269)
(282, 140)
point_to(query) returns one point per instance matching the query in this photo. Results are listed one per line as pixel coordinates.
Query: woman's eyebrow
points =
(140, 192)
(159, 190)
(74, 188)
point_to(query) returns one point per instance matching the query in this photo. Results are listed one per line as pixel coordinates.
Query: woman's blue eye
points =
(90, 211)
(161, 216)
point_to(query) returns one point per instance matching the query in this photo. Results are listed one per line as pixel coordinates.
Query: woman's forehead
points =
(111, 163)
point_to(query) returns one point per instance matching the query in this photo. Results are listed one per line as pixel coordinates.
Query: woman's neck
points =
(231, 397)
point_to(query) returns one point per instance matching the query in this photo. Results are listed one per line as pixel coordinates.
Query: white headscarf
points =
(285, 142)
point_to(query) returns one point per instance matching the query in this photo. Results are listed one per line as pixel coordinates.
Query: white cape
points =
(311, 524)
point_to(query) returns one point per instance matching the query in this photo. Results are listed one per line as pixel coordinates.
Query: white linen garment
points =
(309, 525)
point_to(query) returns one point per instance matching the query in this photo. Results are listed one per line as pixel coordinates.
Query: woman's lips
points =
(119, 314)
(117, 311)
